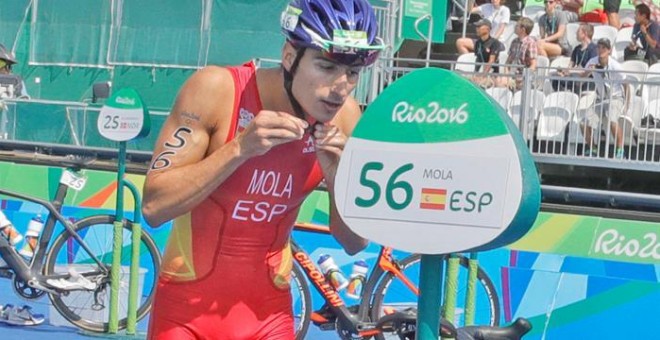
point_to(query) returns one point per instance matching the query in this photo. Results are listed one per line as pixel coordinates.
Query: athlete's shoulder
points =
(210, 79)
(208, 93)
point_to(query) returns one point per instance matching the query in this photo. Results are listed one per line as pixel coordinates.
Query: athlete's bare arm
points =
(191, 158)
(330, 141)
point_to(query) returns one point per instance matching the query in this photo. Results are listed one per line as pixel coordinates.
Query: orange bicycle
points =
(388, 301)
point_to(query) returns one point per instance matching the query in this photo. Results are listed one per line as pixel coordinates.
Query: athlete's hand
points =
(330, 142)
(269, 129)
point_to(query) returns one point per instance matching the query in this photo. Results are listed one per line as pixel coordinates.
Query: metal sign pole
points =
(428, 306)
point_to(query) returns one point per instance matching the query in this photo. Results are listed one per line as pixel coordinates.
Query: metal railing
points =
(556, 113)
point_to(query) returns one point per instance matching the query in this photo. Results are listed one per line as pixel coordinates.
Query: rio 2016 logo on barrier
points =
(611, 242)
(403, 112)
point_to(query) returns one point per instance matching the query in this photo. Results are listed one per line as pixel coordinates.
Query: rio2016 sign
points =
(124, 117)
(435, 166)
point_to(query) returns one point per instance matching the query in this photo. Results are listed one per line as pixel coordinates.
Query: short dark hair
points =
(527, 24)
(605, 43)
(644, 10)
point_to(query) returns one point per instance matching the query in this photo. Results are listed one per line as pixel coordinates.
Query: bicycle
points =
(387, 300)
(82, 250)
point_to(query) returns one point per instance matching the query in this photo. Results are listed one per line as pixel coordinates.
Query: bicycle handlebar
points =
(404, 323)
(514, 331)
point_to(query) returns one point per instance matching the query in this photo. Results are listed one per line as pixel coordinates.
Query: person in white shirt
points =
(610, 102)
(497, 13)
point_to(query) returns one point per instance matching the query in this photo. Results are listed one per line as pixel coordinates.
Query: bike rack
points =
(124, 104)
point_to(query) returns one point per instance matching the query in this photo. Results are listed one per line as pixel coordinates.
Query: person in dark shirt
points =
(487, 50)
(645, 33)
(579, 58)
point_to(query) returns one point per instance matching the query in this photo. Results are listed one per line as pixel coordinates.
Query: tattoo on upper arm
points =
(162, 161)
(179, 136)
(189, 117)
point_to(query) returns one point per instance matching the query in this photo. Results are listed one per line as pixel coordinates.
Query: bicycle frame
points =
(357, 322)
(32, 273)
(386, 262)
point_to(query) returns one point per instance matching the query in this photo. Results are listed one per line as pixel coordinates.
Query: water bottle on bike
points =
(332, 272)
(35, 227)
(357, 278)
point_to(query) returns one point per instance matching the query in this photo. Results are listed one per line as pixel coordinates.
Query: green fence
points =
(65, 46)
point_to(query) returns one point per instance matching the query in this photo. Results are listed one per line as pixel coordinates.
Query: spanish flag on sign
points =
(433, 199)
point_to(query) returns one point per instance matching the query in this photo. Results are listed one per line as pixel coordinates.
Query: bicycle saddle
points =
(514, 331)
(404, 322)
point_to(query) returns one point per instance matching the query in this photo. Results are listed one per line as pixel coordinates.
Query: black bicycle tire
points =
(482, 277)
(298, 276)
(49, 266)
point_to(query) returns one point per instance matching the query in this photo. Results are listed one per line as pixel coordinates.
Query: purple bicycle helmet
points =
(345, 30)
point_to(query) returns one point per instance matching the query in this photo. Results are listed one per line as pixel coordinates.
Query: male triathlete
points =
(239, 153)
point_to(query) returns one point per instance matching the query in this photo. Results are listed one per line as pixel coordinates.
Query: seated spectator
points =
(582, 53)
(522, 54)
(552, 26)
(655, 9)
(495, 12)
(610, 100)
(13, 86)
(487, 50)
(645, 36)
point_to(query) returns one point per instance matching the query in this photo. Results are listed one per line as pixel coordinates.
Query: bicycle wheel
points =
(89, 310)
(391, 293)
(302, 302)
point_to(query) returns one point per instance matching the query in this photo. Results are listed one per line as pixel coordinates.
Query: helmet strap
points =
(288, 83)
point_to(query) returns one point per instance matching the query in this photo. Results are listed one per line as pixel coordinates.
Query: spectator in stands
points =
(495, 12)
(610, 102)
(582, 53)
(13, 86)
(611, 8)
(655, 9)
(487, 50)
(522, 54)
(552, 26)
(647, 34)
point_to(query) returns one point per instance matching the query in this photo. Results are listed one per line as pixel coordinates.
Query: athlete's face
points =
(322, 85)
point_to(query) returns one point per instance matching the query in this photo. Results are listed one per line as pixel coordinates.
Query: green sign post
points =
(435, 166)
(122, 118)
